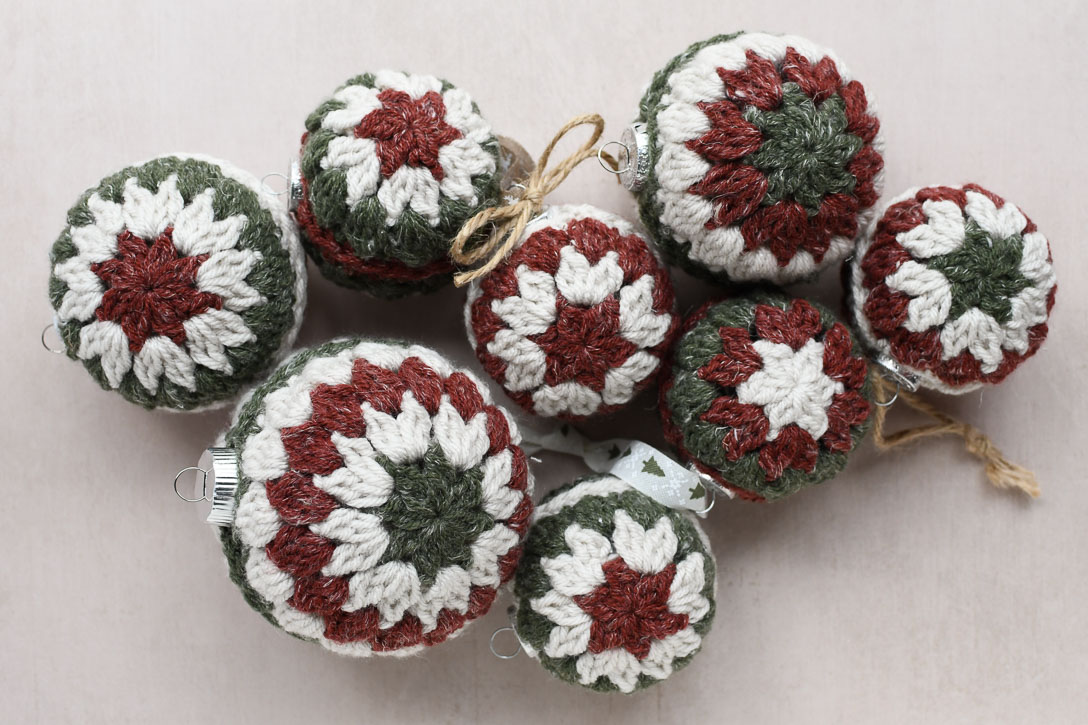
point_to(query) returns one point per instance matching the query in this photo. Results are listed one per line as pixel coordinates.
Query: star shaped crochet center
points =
(583, 344)
(806, 148)
(151, 288)
(408, 131)
(791, 387)
(630, 609)
(434, 514)
(984, 272)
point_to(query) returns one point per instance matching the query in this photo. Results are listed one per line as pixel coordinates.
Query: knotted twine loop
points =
(509, 221)
(1002, 472)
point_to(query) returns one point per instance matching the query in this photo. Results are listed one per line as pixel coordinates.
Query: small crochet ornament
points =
(177, 282)
(755, 157)
(954, 285)
(615, 591)
(382, 499)
(392, 167)
(575, 321)
(767, 394)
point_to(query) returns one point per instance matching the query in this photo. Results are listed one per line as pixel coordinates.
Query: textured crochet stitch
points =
(393, 165)
(575, 322)
(765, 159)
(767, 394)
(177, 282)
(955, 284)
(383, 498)
(615, 591)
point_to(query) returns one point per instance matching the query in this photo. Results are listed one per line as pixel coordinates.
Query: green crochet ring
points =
(614, 591)
(767, 394)
(392, 167)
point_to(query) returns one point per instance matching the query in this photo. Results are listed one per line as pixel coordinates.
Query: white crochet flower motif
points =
(791, 387)
(635, 567)
(409, 142)
(160, 285)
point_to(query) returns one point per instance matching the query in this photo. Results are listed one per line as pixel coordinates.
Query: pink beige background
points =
(904, 591)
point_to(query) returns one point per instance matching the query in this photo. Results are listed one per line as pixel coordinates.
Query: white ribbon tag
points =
(639, 464)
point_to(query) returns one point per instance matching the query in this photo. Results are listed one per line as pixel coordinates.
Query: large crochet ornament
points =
(767, 394)
(755, 157)
(177, 282)
(954, 285)
(575, 322)
(615, 591)
(383, 498)
(392, 166)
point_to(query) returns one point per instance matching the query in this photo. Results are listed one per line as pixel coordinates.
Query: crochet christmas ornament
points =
(767, 394)
(615, 591)
(177, 282)
(575, 321)
(392, 166)
(382, 500)
(954, 285)
(755, 157)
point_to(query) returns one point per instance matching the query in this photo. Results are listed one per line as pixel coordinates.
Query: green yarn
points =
(272, 276)
(984, 272)
(547, 540)
(805, 149)
(690, 397)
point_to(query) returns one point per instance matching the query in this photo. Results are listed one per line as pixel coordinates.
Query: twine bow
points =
(1001, 472)
(509, 221)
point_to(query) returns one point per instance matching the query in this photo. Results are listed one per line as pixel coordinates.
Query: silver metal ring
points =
(55, 351)
(889, 403)
(504, 655)
(268, 189)
(203, 488)
(626, 158)
(713, 500)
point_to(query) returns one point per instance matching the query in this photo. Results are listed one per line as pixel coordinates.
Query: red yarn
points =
(408, 131)
(151, 288)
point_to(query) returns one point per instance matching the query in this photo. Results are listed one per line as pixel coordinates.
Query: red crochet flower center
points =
(584, 343)
(747, 425)
(300, 552)
(738, 189)
(151, 288)
(630, 610)
(408, 131)
(885, 309)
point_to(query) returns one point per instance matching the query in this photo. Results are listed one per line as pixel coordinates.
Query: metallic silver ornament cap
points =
(221, 465)
(637, 142)
(294, 186)
(897, 373)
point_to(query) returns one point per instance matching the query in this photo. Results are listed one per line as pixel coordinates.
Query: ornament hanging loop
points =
(609, 163)
(494, 648)
(203, 485)
(1000, 471)
(508, 221)
(45, 331)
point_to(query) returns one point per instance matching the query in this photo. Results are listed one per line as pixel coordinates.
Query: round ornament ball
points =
(755, 157)
(953, 285)
(177, 282)
(615, 591)
(393, 165)
(575, 322)
(382, 500)
(767, 394)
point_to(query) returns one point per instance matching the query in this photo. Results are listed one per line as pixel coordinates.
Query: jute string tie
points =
(508, 221)
(1001, 472)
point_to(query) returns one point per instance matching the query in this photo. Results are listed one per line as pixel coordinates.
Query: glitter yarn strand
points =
(509, 221)
(1001, 472)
